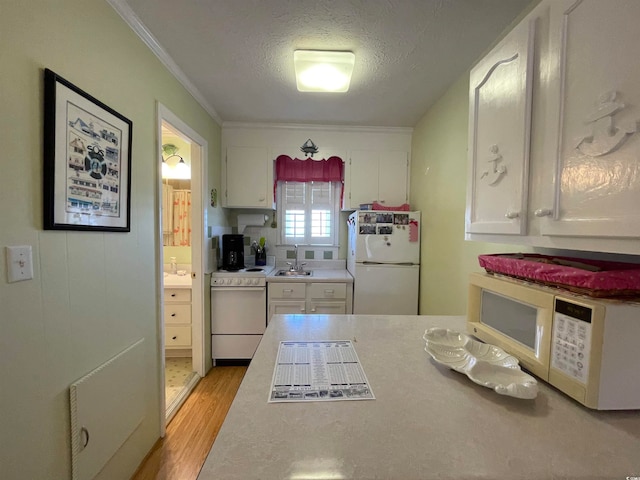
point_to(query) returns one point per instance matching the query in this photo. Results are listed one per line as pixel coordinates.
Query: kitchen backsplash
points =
(285, 253)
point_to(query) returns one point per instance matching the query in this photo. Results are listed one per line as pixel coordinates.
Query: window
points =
(309, 212)
(308, 197)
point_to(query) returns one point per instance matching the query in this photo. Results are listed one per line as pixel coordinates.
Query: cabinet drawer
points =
(328, 290)
(287, 290)
(177, 336)
(172, 295)
(177, 313)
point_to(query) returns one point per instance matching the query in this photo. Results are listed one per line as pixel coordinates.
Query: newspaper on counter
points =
(318, 371)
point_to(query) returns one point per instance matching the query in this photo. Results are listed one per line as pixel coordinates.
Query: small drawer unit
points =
(177, 336)
(177, 295)
(177, 318)
(287, 291)
(327, 291)
(177, 313)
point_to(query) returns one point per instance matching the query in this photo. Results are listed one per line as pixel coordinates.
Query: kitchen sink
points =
(293, 273)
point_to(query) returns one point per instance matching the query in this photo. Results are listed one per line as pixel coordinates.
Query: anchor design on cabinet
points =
(606, 137)
(494, 175)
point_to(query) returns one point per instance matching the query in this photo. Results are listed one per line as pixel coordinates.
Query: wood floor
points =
(182, 452)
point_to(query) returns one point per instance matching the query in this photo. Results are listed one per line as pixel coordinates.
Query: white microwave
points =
(587, 348)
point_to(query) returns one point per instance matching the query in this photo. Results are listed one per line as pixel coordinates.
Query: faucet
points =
(296, 267)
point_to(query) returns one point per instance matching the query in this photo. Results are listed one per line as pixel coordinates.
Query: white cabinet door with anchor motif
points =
(500, 92)
(593, 153)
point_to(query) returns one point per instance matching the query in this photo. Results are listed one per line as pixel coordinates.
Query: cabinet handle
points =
(174, 337)
(173, 294)
(302, 309)
(542, 212)
(261, 199)
(313, 309)
(173, 314)
(328, 291)
(512, 215)
(84, 432)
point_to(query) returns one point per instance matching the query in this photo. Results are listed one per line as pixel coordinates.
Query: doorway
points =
(181, 232)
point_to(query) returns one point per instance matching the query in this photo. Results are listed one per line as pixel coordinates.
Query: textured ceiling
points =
(239, 53)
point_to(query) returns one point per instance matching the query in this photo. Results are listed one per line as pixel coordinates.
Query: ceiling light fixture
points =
(323, 71)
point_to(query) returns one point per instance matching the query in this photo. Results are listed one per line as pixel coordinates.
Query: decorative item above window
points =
(309, 148)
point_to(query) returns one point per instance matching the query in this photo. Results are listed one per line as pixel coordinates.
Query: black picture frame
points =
(86, 161)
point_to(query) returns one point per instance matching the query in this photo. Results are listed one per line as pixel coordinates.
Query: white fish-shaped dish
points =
(484, 364)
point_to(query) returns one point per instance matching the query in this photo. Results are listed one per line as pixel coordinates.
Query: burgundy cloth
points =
(295, 170)
(609, 279)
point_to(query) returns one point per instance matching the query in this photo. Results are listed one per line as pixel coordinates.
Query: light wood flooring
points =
(190, 434)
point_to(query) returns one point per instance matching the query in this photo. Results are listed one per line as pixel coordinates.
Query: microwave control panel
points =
(571, 340)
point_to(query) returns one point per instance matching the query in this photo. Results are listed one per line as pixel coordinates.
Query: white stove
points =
(238, 313)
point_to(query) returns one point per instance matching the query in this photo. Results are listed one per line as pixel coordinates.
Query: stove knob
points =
(228, 281)
(238, 281)
(256, 281)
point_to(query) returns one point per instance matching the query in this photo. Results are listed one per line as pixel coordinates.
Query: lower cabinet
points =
(177, 318)
(309, 298)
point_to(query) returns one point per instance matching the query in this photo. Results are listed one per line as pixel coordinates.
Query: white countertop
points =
(319, 275)
(427, 421)
(171, 280)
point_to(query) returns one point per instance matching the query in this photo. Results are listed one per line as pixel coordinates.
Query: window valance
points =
(295, 170)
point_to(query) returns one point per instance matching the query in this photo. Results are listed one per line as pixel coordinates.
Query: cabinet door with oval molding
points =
(500, 92)
(593, 153)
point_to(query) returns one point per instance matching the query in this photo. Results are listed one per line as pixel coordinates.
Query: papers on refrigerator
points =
(318, 371)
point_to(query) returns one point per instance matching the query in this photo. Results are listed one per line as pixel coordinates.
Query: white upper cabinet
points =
(593, 156)
(248, 178)
(500, 92)
(568, 178)
(377, 176)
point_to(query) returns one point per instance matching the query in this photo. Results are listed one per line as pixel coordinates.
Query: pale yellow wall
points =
(93, 294)
(438, 189)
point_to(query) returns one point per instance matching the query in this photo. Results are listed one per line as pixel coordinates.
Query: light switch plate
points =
(19, 263)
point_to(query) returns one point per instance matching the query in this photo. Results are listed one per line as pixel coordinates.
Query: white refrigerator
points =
(384, 259)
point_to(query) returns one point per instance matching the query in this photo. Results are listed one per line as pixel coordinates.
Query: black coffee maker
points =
(232, 252)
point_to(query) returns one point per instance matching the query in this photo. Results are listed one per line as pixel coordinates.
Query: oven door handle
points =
(236, 289)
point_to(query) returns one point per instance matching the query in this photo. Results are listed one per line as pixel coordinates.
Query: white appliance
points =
(384, 260)
(238, 313)
(585, 347)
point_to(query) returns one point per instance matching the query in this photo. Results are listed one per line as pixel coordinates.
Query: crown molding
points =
(303, 126)
(129, 16)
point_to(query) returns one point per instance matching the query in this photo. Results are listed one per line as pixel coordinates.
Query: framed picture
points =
(87, 161)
